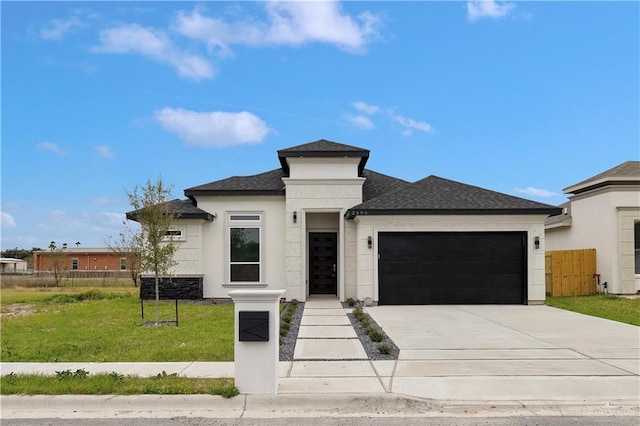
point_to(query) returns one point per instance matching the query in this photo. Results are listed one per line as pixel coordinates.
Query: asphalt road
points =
(335, 421)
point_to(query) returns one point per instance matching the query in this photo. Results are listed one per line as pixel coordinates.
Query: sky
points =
(524, 98)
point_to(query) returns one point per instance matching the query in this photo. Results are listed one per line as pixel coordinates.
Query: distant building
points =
(9, 265)
(84, 262)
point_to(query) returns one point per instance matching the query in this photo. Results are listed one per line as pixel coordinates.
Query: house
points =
(322, 223)
(9, 265)
(83, 262)
(603, 212)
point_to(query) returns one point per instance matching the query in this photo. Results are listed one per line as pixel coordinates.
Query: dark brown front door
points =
(323, 263)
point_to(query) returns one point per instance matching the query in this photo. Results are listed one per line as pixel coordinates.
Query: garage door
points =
(420, 268)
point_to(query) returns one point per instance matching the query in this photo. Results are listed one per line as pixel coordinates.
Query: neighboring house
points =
(9, 265)
(603, 212)
(322, 223)
(82, 261)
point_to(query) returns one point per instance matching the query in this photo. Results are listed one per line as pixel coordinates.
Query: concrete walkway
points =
(329, 357)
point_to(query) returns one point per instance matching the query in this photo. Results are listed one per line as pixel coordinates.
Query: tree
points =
(128, 245)
(58, 261)
(151, 210)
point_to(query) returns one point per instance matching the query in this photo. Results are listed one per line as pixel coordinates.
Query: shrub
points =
(385, 349)
(376, 335)
(351, 301)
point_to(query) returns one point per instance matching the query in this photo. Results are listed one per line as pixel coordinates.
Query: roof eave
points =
(601, 183)
(352, 213)
(236, 192)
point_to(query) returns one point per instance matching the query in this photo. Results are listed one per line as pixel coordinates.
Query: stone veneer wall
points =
(181, 288)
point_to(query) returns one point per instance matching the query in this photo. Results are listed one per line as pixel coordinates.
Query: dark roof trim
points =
(351, 213)
(603, 185)
(192, 193)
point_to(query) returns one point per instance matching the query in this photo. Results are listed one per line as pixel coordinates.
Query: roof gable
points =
(627, 173)
(435, 195)
(323, 148)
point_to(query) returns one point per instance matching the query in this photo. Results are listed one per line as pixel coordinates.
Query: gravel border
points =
(288, 347)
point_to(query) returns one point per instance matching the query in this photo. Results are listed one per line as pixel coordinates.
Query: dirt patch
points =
(17, 310)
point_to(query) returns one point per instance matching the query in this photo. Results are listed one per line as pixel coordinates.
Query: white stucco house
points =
(322, 223)
(603, 212)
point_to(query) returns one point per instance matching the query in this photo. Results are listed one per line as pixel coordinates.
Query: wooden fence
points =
(570, 272)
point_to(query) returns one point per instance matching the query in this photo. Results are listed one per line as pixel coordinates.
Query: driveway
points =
(489, 352)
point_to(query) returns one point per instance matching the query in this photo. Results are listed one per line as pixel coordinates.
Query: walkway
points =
(329, 357)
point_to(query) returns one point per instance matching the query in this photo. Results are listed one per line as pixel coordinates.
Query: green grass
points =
(96, 326)
(601, 305)
(112, 384)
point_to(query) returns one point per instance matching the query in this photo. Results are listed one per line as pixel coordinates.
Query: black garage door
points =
(421, 268)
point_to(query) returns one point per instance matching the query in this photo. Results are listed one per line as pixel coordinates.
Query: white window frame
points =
(251, 220)
(75, 262)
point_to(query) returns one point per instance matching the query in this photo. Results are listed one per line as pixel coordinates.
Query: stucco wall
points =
(367, 277)
(597, 223)
(212, 260)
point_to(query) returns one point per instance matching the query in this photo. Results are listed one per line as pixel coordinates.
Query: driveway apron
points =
(488, 352)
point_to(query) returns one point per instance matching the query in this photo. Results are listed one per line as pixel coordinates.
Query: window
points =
(74, 264)
(175, 234)
(244, 248)
(636, 242)
(123, 263)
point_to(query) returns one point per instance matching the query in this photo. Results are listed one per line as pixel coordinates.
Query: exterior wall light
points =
(295, 217)
(369, 241)
(536, 242)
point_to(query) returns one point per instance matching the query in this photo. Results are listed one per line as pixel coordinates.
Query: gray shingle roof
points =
(435, 195)
(323, 148)
(267, 183)
(182, 209)
(625, 173)
(378, 184)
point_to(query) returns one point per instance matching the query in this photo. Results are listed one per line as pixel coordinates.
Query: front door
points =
(323, 258)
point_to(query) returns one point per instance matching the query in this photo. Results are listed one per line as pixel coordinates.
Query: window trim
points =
(123, 263)
(75, 262)
(244, 220)
(175, 233)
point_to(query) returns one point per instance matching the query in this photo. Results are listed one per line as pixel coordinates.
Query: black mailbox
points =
(253, 326)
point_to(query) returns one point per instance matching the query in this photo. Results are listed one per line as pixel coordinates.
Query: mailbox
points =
(253, 326)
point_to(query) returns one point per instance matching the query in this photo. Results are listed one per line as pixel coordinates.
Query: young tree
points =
(151, 210)
(128, 245)
(58, 261)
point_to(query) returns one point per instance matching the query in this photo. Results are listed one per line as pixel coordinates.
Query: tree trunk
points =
(157, 299)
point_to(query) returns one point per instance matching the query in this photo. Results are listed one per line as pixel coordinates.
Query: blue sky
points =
(524, 98)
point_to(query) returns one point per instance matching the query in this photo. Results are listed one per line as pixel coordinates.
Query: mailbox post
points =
(257, 340)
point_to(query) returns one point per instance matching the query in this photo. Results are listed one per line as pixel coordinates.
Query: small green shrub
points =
(351, 301)
(376, 335)
(384, 349)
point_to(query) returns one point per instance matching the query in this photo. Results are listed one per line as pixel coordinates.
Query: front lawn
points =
(601, 305)
(105, 326)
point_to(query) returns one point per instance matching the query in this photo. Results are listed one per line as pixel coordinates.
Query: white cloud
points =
(536, 192)
(360, 121)
(7, 221)
(154, 44)
(213, 129)
(478, 9)
(51, 147)
(105, 151)
(366, 108)
(410, 125)
(288, 23)
(58, 28)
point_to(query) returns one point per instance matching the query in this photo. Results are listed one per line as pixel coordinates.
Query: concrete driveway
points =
(529, 353)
